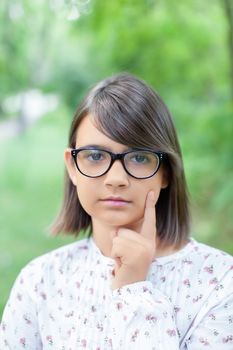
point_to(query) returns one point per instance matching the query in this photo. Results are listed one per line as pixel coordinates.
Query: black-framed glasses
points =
(95, 162)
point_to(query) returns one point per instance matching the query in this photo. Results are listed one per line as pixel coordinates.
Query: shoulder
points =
(58, 261)
(210, 264)
(206, 253)
(197, 254)
(201, 263)
(60, 256)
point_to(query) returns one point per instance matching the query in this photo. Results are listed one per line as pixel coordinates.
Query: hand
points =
(134, 251)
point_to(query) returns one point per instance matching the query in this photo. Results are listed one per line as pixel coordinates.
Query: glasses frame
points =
(117, 156)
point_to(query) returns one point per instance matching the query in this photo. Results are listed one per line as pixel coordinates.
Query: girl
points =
(138, 281)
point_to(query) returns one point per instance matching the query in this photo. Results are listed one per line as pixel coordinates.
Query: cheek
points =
(151, 185)
(86, 191)
(140, 196)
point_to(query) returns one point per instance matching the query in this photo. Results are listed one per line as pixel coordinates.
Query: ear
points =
(70, 166)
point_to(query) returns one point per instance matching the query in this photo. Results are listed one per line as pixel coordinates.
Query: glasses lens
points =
(141, 164)
(93, 162)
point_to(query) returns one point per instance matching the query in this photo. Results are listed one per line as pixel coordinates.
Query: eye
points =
(140, 158)
(95, 156)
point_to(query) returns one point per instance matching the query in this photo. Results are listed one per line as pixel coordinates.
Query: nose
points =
(116, 176)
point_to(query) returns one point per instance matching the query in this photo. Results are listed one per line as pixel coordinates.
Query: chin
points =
(118, 221)
(114, 219)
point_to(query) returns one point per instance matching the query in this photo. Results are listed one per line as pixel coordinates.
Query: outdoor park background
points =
(52, 51)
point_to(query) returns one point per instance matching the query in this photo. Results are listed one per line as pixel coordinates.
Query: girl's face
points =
(115, 199)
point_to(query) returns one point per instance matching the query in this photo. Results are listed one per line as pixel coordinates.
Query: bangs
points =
(124, 120)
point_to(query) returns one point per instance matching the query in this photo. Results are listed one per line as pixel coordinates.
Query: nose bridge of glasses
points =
(117, 156)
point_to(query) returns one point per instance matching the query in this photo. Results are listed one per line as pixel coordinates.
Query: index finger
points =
(149, 221)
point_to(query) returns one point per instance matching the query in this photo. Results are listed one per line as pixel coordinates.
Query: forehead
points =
(88, 134)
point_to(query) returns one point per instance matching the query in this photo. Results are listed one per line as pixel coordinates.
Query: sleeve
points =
(142, 318)
(215, 330)
(19, 327)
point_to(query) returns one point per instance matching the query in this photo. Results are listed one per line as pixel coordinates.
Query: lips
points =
(115, 202)
(115, 199)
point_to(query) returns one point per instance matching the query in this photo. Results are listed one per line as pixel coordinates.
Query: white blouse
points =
(63, 301)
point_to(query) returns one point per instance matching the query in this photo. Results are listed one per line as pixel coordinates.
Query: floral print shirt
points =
(63, 301)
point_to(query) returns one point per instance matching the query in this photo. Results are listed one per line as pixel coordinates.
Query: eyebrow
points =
(93, 146)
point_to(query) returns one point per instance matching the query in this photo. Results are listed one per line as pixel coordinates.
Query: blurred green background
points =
(52, 51)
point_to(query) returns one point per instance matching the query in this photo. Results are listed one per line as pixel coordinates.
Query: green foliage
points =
(178, 47)
(31, 190)
(169, 44)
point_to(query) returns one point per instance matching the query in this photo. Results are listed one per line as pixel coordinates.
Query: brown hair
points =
(130, 112)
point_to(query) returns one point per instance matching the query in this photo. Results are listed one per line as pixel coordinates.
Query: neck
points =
(103, 236)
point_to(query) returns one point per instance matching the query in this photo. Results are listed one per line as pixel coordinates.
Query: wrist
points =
(119, 283)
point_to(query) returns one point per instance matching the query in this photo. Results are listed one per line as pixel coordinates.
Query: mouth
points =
(115, 201)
